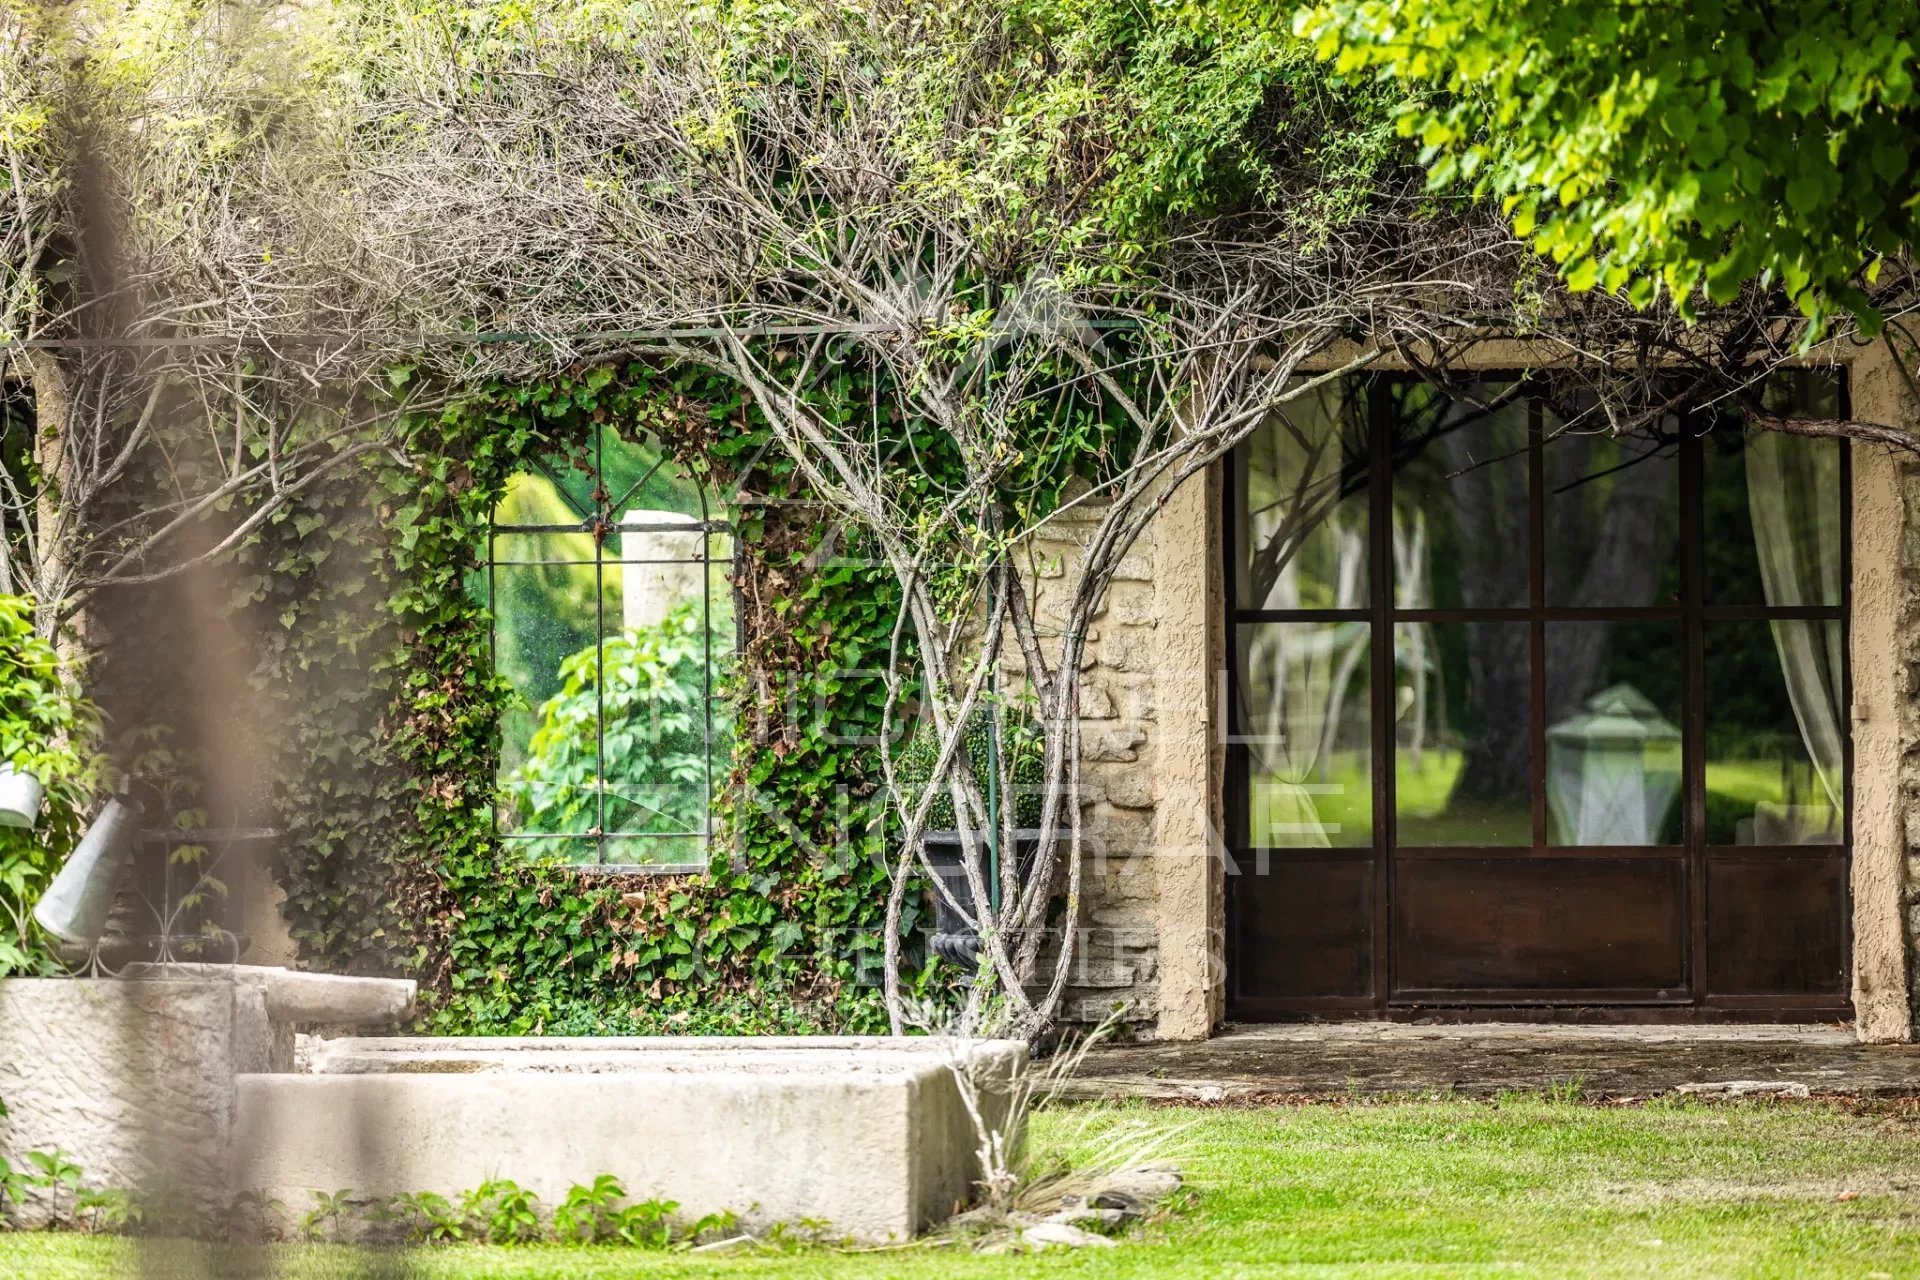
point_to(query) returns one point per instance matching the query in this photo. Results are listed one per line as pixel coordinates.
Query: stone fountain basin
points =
(870, 1136)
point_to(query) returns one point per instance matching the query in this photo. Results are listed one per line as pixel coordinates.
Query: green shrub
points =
(1019, 738)
(46, 730)
(654, 699)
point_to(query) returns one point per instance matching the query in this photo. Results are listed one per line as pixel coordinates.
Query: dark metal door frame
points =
(1693, 613)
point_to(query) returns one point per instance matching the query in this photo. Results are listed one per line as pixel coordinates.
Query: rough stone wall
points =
(1117, 949)
(1149, 762)
(132, 1080)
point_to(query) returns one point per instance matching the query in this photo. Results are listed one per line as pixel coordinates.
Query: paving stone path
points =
(1247, 1063)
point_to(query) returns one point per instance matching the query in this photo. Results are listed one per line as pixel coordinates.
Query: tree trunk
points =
(1490, 520)
(1616, 559)
(49, 570)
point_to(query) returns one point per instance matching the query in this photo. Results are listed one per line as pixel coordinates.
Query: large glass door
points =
(1525, 714)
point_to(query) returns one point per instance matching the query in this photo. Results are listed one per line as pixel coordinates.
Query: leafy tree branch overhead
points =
(1669, 149)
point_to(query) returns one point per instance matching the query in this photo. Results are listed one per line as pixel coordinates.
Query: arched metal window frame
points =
(599, 524)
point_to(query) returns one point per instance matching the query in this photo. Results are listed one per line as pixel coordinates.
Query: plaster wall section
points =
(1885, 655)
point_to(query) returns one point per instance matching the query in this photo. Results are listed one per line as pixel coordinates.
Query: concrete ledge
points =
(859, 1055)
(869, 1136)
(295, 996)
(1319, 1060)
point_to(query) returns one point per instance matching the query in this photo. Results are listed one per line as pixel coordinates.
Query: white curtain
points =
(1793, 496)
(1412, 589)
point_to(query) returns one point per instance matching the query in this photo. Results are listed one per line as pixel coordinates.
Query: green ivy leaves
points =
(392, 860)
(47, 731)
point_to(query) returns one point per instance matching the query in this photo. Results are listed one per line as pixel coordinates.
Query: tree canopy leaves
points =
(1682, 146)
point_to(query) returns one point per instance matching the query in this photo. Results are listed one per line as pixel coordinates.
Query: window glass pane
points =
(721, 618)
(621, 474)
(1300, 505)
(639, 477)
(1810, 393)
(1613, 733)
(1612, 520)
(574, 850)
(655, 851)
(617, 651)
(553, 781)
(1460, 527)
(1305, 716)
(1463, 756)
(543, 617)
(553, 549)
(557, 491)
(1776, 740)
(661, 564)
(1773, 518)
(659, 705)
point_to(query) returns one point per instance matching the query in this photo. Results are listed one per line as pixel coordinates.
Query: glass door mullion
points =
(1384, 641)
(1536, 625)
(1693, 694)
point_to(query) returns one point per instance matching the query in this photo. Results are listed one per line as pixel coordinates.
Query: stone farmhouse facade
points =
(1733, 918)
(1757, 856)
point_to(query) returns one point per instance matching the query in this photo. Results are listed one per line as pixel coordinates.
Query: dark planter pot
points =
(954, 940)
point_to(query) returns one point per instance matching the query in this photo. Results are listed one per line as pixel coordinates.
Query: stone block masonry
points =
(1148, 770)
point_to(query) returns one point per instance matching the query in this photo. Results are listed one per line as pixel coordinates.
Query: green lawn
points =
(1523, 1188)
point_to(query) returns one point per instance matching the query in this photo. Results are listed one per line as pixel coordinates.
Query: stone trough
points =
(190, 1081)
(870, 1137)
(132, 1078)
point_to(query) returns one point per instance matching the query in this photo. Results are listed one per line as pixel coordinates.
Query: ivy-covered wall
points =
(375, 659)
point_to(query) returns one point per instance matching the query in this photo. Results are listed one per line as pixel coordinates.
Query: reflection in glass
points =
(1776, 743)
(1459, 499)
(1305, 699)
(631, 741)
(654, 698)
(655, 851)
(1613, 733)
(1300, 505)
(1773, 513)
(662, 561)
(1463, 755)
(543, 614)
(614, 649)
(623, 475)
(1612, 520)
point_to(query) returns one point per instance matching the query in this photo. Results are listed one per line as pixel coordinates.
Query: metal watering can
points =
(74, 907)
